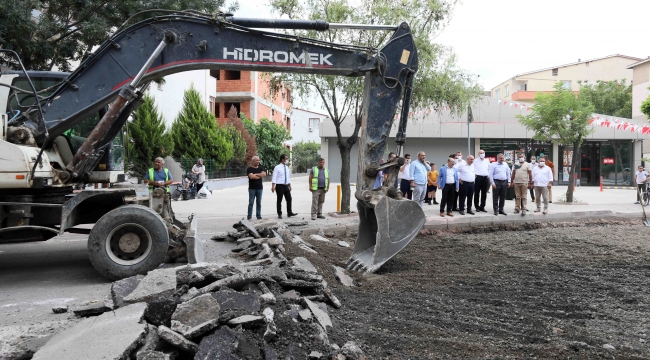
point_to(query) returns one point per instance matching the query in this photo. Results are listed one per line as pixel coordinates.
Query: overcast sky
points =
(499, 39)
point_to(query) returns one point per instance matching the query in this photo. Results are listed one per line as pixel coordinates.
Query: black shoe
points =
(259, 218)
(502, 212)
(279, 216)
(471, 212)
(320, 216)
(495, 213)
(435, 202)
(248, 217)
(483, 210)
(462, 212)
(454, 209)
(292, 214)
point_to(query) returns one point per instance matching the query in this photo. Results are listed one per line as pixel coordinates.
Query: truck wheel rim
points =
(128, 244)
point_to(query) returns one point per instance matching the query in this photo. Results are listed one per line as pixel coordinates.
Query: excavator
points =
(61, 132)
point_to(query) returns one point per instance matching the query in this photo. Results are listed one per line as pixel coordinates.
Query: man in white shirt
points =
(466, 190)
(482, 183)
(458, 160)
(640, 178)
(405, 184)
(282, 183)
(542, 181)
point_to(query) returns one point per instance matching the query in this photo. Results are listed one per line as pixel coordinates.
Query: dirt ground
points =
(555, 290)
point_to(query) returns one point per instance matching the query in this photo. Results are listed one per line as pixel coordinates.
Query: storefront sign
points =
(491, 158)
(608, 161)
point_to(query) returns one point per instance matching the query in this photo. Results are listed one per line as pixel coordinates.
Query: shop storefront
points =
(510, 147)
(610, 159)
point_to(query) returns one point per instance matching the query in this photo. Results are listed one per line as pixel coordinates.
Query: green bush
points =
(269, 138)
(305, 155)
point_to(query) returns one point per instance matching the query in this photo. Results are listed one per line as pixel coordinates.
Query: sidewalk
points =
(227, 206)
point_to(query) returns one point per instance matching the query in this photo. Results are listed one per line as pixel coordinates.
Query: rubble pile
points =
(268, 307)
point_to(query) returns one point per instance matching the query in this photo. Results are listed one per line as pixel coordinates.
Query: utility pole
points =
(470, 118)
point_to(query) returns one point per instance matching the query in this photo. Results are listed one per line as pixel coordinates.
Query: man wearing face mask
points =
(522, 177)
(405, 184)
(533, 163)
(499, 173)
(482, 183)
(458, 161)
(542, 181)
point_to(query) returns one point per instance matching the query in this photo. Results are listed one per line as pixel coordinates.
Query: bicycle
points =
(645, 195)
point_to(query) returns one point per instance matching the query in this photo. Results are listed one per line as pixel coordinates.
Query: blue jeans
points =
(252, 195)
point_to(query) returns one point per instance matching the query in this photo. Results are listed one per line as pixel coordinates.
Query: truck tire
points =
(127, 241)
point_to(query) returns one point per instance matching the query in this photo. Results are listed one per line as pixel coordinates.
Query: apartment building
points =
(524, 87)
(249, 92)
(640, 91)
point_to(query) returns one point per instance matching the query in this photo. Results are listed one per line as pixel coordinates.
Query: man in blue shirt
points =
(418, 171)
(158, 176)
(499, 173)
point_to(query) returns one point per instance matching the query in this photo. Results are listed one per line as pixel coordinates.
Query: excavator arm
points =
(165, 45)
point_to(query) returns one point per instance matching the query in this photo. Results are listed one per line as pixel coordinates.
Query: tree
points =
(269, 138)
(437, 82)
(196, 134)
(249, 141)
(305, 155)
(238, 144)
(645, 106)
(562, 116)
(57, 32)
(146, 138)
(612, 98)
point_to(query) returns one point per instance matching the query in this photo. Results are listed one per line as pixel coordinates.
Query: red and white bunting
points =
(619, 124)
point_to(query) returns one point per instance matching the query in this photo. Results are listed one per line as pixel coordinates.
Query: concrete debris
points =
(158, 283)
(190, 294)
(246, 302)
(330, 296)
(247, 321)
(316, 298)
(343, 244)
(60, 309)
(190, 278)
(153, 355)
(296, 222)
(159, 311)
(303, 276)
(609, 347)
(93, 309)
(236, 281)
(321, 335)
(307, 249)
(239, 234)
(271, 330)
(265, 253)
(242, 246)
(320, 315)
(111, 335)
(342, 276)
(121, 288)
(304, 315)
(290, 295)
(301, 284)
(195, 312)
(251, 229)
(318, 238)
(247, 238)
(276, 241)
(177, 339)
(314, 355)
(200, 329)
(152, 342)
(352, 351)
(220, 345)
(268, 298)
(294, 311)
(220, 236)
(302, 264)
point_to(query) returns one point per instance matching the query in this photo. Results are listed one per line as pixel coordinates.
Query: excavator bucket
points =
(384, 231)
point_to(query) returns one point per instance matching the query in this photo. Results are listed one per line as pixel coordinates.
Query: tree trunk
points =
(345, 177)
(572, 170)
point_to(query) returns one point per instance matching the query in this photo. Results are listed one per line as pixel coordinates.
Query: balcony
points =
(529, 96)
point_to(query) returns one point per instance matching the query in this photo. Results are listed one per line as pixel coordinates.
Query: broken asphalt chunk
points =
(93, 309)
(318, 238)
(158, 283)
(121, 288)
(247, 224)
(177, 339)
(228, 299)
(60, 309)
(342, 276)
(112, 335)
(247, 321)
(302, 264)
(195, 312)
(320, 315)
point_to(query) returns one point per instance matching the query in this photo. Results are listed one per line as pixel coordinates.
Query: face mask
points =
(533, 161)
(482, 156)
(541, 163)
(521, 160)
(456, 160)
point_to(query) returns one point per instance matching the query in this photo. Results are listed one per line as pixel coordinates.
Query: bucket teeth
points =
(352, 264)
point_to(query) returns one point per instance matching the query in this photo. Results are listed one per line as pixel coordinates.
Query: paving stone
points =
(60, 309)
(177, 339)
(158, 283)
(342, 276)
(244, 301)
(111, 335)
(221, 345)
(302, 264)
(159, 311)
(318, 238)
(342, 243)
(195, 312)
(247, 321)
(320, 315)
(247, 224)
(122, 288)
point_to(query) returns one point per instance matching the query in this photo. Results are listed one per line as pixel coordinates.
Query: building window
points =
(213, 106)
(507, 90)
(523, 87)
(215, 74)
(272, 112)
(566, 84)
(228, 106)
(289, 124)
(232, 75)
(497, 94)
(313, 124)
(554, 72)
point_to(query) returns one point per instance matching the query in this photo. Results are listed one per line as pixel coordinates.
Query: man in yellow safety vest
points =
(319, 183)
(158, 176)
